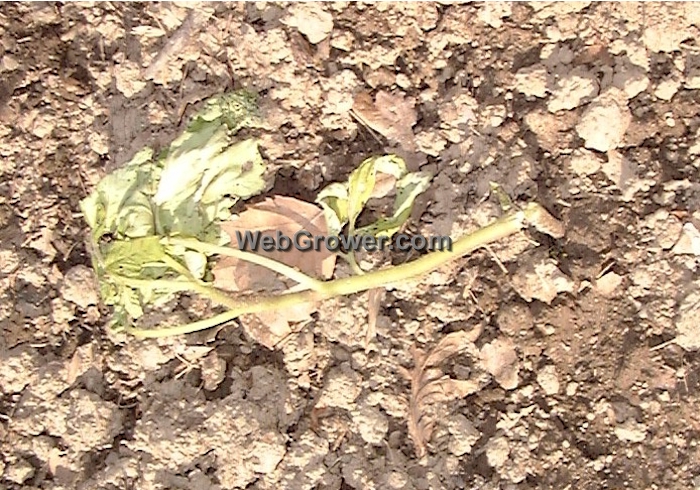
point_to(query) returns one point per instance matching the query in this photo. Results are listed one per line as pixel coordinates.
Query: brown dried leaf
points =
(392, 116)
(287, 216)
(429, 385)
(451, 344)
(446, 389)
(268, 328)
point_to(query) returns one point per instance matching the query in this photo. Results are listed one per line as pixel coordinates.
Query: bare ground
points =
(585, 366)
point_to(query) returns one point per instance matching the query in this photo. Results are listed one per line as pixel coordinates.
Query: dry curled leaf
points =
(285, 215)
(392, 116)
(429, 385)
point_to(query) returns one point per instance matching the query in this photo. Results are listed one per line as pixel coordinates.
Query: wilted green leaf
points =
(131, 258)
(360, 185)
(390, 164)
(196, 263)
(237, 172)
(407, 189)
(186, 162)
(105, 208)
(187, 190)
(343, 203)
(334, 201)
(234, 109)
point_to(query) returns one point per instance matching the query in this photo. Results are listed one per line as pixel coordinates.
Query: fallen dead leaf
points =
(429, 385)
(392, 116)
(285, 215)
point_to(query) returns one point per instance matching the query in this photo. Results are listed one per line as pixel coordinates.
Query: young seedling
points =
(156, 223)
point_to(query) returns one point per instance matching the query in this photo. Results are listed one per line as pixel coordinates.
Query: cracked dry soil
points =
(585, 358)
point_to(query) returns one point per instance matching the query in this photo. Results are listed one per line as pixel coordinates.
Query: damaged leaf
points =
(408, 188)
(374, 301)
(274, 218)
(429, 385)
(343, 203)
(185, 191)
(393, 116)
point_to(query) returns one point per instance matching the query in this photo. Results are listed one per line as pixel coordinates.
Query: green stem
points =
(356, 269)
(213, 294)
(283, 269)
(502, 228)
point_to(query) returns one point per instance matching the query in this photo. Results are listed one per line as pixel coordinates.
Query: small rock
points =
(312, 20)
(19, 368)
(623, 174)
(584, 162)
(687, 323)
(668, 30)
(341, 388)
(8, 63)
(631, 79)
(62, 312)
(19, 472)
(430, 142)
(572, 89)
(666, 89)
(90, 422)
(493, 13)
(606, 120)
(541, 280)
(692, 79)
(79, 287)
(128, 79)
(371, 424)
(665, 226)
(689, 241)
(499, 359)
(464, 435)
(548, 380)
(9, 262)
(532, 81)
(631, 431)
(635, 52)
(608, 283)
(552, 130)
(397, 480)
(514, 318)
(497, 451)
